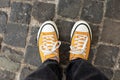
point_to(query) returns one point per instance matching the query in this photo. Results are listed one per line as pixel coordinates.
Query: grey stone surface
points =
(1, 30)
(4, 3)
(5, 75)
(15, 35)
(106, 56)
(1, 39)
(110, 32)
(117, 75)
(69, 8)
(64, 53)
(3, 21)
(9, 65)
(15, 56)
(32, 56)
(18, 42)
(33, 38)
(91, 55)
(20, 12)
(92, 11)
(64, 27)
(119, 63)
(113, 9)
(25, 72)
(107, 72)
(43, 11)
(99, 0)
(95, 34)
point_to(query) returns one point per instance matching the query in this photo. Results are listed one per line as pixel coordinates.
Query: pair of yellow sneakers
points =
(48, 41)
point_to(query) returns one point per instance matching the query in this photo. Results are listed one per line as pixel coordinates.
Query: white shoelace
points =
(80, 44)
(49, 42)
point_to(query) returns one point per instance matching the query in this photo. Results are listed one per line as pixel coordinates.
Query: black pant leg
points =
(80, 69)
(49, 70)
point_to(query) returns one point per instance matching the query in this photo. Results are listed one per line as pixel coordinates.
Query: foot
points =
(48, 43)
(81, 37)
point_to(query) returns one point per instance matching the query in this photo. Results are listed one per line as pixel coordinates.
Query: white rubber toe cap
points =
(48, 28)
(81, 26)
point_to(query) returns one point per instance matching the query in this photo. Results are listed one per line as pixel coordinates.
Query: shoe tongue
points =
(49, 47)
(80, 40)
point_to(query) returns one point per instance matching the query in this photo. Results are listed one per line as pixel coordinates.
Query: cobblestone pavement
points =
(20, 20)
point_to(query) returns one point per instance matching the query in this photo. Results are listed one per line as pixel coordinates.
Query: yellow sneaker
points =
(48, 43)
(81, 37)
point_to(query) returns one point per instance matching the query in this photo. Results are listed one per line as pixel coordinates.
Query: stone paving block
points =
(5, 75)
(25, 72)
(32, 56)
(4, 3)
(43, 11)
(15, 56)
(64, 28)
(69, 8)
(1, 39)
(95, 34)
(3, 21)
(33, 38)
(64, 53)
(116, 75)
(99, 0)
(119, 63)
(15, 35)
(111, 31)
(20, 12)
(92, 11)
(91, 55)
(107, 72)
(47, 1)
(106, 56)
(9, 65)
(113, 9)
(1, 30)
